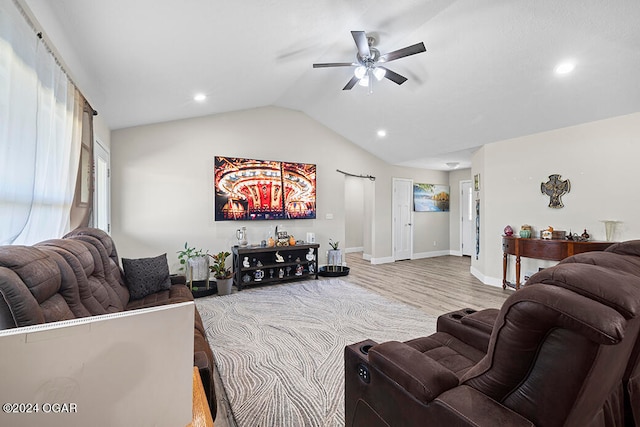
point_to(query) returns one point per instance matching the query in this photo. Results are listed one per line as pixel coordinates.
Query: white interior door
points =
(102, 195)
(467, 236)
(402, 226)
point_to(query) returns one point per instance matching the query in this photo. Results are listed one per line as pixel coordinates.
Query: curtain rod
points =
(29, 18)
(372, 178)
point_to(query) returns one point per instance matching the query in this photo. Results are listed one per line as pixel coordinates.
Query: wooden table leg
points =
(517, 272)
(505, 258)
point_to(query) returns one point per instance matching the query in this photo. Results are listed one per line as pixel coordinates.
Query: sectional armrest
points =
(418, 374)
(470, 326)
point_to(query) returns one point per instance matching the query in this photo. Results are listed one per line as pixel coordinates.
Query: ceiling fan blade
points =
(333, 64)
(393, 76)
(351, 83)
(361, 41)
(401, 53)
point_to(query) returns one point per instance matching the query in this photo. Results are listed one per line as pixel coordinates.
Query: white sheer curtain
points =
(40, 130)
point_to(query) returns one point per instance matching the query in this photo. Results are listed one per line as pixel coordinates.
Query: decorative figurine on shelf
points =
(297, 259)
(279, 257)
(259, 263)
(281, 273)
(246, 278)
(547, 234)
(508, 231)
(282, 235)
(311, 268)
(288, 270)
(258, 275)
(585, 235)
(525, 231)
(271, 243)
(299, 270)
(263, 244)
(310, 255)
(245, 262)
(271, 273)
(241, 235)
(292, 241)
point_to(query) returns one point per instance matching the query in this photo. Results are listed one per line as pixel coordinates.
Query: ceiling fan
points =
(369, 62)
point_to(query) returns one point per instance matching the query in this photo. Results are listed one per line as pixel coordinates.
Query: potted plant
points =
(334, 256)
(222, 274)
(195, 264)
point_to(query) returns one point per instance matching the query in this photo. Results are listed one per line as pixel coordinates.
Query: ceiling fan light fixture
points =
(360, 72)
(379, 73)
(453, 165)
(367, 58)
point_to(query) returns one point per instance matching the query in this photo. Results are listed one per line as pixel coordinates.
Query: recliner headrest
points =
(616, 289)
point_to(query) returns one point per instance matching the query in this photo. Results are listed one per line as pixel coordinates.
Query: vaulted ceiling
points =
(487, 75)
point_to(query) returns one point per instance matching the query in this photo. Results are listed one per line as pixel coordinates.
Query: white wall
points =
(599, 158)
(455, 177)
(162, 182)
(101, 131)
(354, 203)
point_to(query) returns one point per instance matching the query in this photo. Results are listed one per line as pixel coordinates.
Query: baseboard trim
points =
(491, 281)
(356, 249)
(366, 257)
(421, 255)
(383, 260)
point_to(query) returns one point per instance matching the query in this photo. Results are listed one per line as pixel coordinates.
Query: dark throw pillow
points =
(146, 276)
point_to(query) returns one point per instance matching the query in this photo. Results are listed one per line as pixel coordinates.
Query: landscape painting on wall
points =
(430, 198)
(247, 189)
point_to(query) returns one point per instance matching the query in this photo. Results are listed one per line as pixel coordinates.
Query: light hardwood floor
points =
(435, 285)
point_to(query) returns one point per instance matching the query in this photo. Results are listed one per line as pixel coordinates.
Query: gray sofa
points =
(79, 276)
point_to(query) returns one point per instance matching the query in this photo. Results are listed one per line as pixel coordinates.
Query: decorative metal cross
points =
(555, 188)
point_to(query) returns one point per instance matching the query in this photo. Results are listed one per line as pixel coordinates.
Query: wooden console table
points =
(551, 250)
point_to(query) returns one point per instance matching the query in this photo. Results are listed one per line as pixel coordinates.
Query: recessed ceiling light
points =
(382, 133)
(565, 67)
(453, 165)
(200, 97)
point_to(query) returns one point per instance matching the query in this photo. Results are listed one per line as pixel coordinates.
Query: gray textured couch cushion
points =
(146, 276)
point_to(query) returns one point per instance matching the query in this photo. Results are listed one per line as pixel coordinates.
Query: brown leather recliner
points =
(557, 354)
(623, 257)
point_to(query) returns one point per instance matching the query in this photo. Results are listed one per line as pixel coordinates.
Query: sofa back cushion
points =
(109, 271)
(33, 289)
(629, 247)
(96, 296)
(611, 260)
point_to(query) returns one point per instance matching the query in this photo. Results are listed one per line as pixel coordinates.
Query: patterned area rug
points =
(279, 349)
